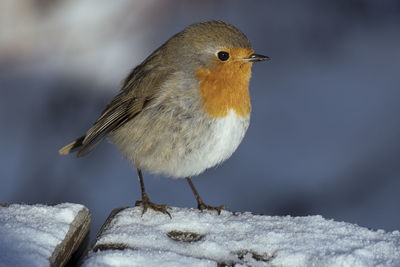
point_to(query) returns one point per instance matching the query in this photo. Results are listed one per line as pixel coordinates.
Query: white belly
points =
(180, 147)
(226, 135)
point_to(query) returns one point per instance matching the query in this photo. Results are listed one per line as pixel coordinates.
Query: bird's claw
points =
(157, 207)
(202, 206)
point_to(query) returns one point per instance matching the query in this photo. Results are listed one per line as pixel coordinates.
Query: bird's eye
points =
(223, 56)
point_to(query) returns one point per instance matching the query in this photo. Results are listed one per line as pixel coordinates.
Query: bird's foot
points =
(146, 203)
(201, 206)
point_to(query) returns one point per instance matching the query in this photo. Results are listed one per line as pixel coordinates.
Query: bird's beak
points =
(257, 57)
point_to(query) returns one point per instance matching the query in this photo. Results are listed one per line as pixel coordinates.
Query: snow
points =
(144, 258)
(30, 233)
(239, 239)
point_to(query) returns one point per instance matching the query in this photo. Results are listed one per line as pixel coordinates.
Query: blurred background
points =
(325, 128)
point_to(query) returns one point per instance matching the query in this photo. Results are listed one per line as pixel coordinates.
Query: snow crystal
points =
(145, 258)
(30, 233)
(204, 239)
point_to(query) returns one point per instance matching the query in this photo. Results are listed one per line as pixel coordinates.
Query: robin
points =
(184, 109)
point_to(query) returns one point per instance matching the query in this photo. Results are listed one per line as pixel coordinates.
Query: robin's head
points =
(206, 43)
(220, 57)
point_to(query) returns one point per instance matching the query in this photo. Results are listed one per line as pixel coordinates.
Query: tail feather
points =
(72, 147)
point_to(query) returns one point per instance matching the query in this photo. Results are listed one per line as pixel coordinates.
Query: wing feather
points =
(137, 92)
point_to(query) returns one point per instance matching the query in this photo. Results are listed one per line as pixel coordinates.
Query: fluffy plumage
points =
(182, 110)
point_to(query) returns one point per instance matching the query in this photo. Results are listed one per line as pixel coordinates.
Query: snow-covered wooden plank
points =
(194, 238)
(41, 235)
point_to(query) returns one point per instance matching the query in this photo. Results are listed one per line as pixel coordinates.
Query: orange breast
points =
(225, 85)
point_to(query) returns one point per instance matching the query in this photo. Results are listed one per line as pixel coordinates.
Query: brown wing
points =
(137, 92)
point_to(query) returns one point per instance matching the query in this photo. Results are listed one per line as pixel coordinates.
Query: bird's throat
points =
(225, 87)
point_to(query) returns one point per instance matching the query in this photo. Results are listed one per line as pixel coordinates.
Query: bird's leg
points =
(200, 204)
(146, 201)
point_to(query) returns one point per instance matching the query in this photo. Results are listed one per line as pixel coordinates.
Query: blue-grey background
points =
(325, 127)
